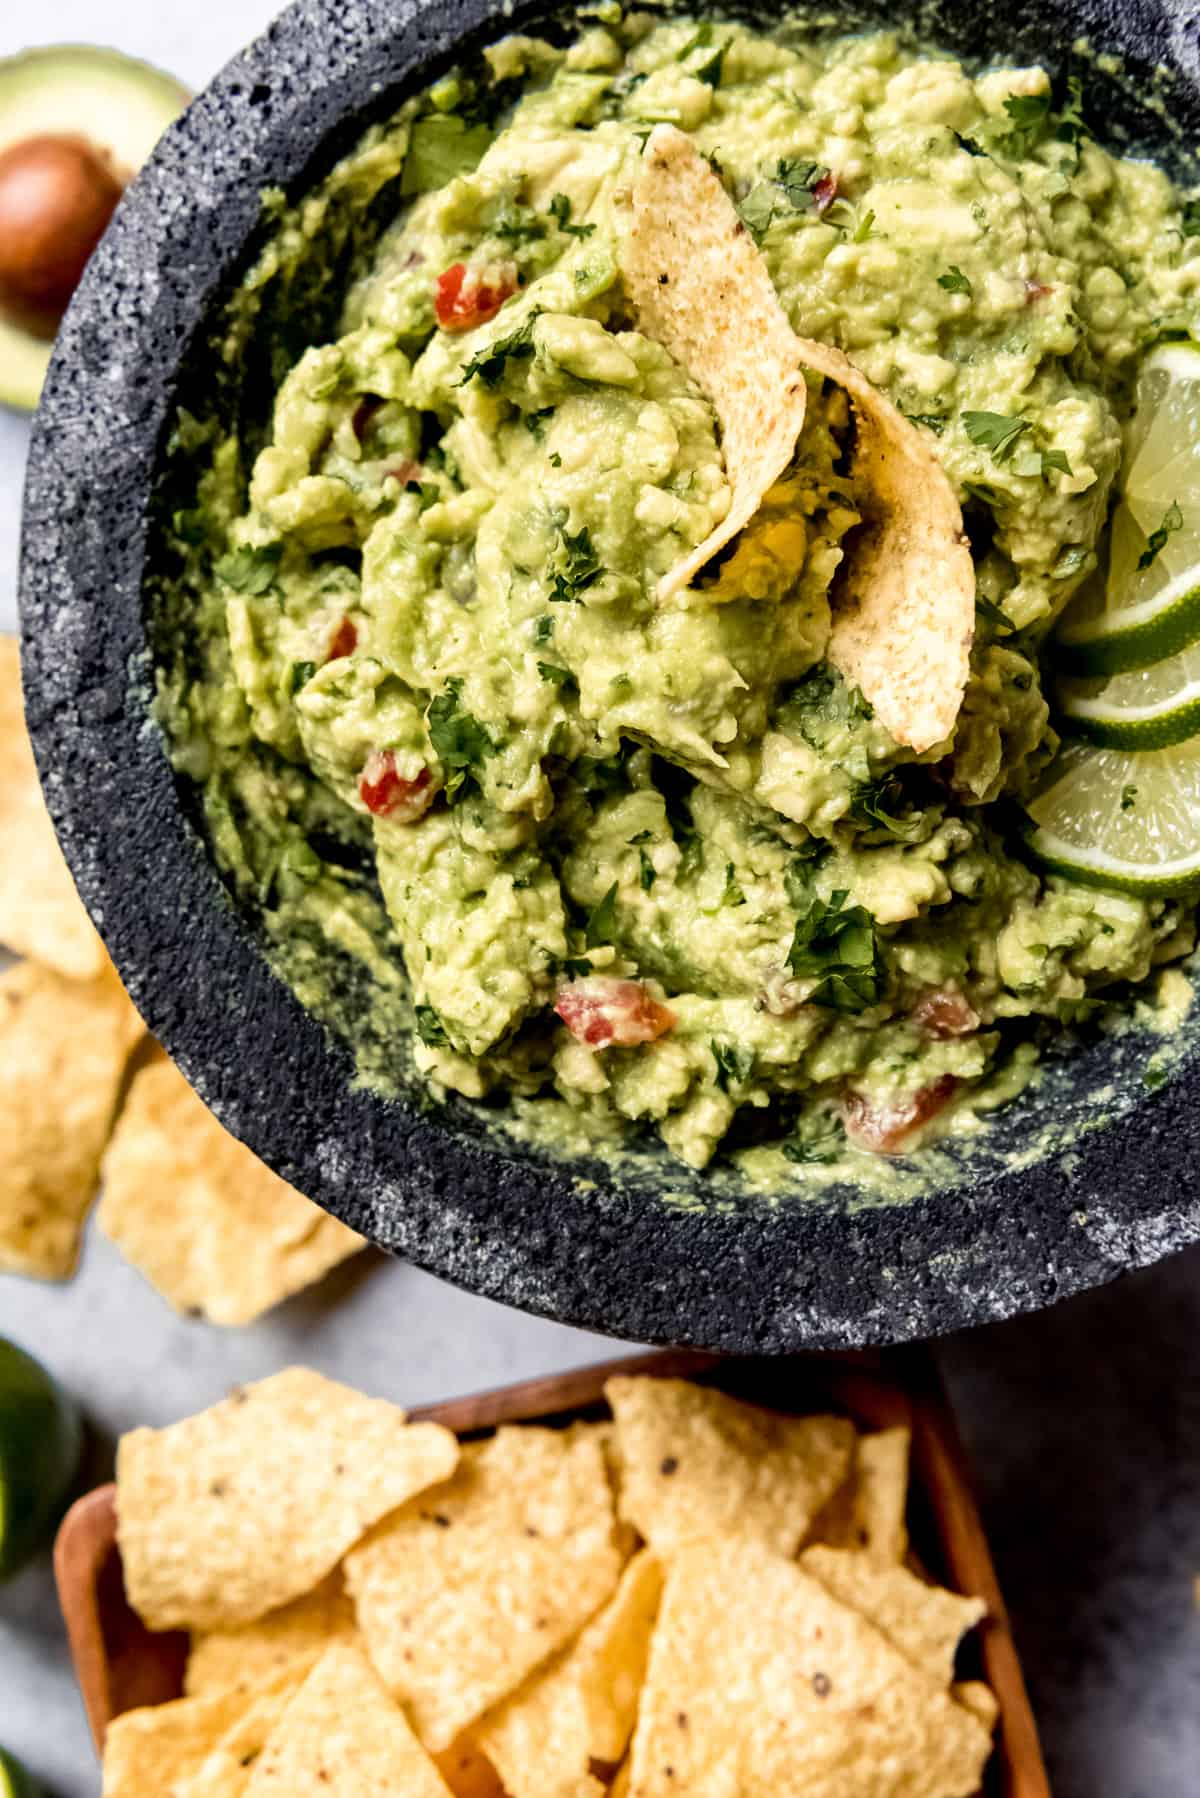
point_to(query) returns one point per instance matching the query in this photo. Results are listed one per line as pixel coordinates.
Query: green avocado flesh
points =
(121, 106)
(520, 830)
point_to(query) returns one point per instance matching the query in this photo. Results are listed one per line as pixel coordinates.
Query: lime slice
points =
(14, 1781)
(40, 1442)
(1144, 708)
(1122, 818)
(1139, 614)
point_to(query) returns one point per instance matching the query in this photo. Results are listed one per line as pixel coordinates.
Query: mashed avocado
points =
(614, 863)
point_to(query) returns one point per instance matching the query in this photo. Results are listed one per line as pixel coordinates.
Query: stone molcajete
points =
(1088, 1175)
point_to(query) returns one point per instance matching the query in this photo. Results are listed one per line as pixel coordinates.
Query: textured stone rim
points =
(522, 1231)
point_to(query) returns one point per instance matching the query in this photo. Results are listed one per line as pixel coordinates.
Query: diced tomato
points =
(825, 191)
(888, 1129)
(387, 794)
(404, 472)
(462, 301)
(364, 412)
(1036, 290)
(344, 640)
(601, 1010)
(945, 1013)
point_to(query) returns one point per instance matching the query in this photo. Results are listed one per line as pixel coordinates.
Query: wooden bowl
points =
(121, 1665)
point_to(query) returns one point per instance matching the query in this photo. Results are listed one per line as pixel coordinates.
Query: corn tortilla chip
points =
(461, 1594)
(342, 1737)
(151, 1750)
(620, 1785)
(582, 1707)
(225, 1770)
(978, 1698)
(213, 1230)
(41, 914)
(868, 1512)
(904, 601)
(467, 1771)
(696, 1463)
(924, 1622)
(700, 288)
(64, 1045)
(255, 1652)
(761, 1683)
(235, 1512)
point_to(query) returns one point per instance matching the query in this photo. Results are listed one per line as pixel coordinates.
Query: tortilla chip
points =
(697, 1463)
(342, 1737)
(231, 1514)
(465, 1591)
(699, 286)
(467, 1772)
(760, 1683)
(620, 1785)
(64, 1045)
(212, 1229)
(257, 1651)
(868, 1512)
(978, 1698)
(151, 1750)
(926, 1623)
(583, 1706)
(225, 1770)
(41, 914)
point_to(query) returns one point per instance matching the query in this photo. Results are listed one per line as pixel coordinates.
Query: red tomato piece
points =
(601, 1010)
(387, 794)
(462, 300)
(825, 191)
(945, 1013)
(1036, 290)
(364, 412)
(344, 640)
(404, 472)
(887, 1129)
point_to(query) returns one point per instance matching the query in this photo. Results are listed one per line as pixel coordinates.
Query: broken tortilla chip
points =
(64, 1045)
(461, 1594)
(582, 1707)
(255, 1652)
(235, 1512)
(153, 1749)
(225, 1770)
(978, 1698)
(700, 288)
(904, 599)
(696, 1463)
(868, 1513)
(212, 1229)
(342, 1737)
(467, 1771)
(41, 914)
(924, 1622)
(760, 1683)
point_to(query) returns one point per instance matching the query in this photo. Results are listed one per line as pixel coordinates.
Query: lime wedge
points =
(40, 1441)
(1144, 708)
(1140, 613)
(14, 1781)
(1122, 818)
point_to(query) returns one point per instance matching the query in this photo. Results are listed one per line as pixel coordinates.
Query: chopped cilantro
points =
(733, 894)
(954, 281)
(1172, 520)
(642, 836)
(555, 459)
(815, 1139)
(931, 420)
(969, 145)
(535, 422)
(691, 855)
(560, 212)
(425, 491)
(1189, 218)
(575, 967)
(882, 805)
(579, 565)
(734, 1065)
(602, 923)
(1128, 798)
(562, 677)
(430, 1028)
(490, 363)
(1054, 458)
(864, 229)
(995, 431)
(981, 492)
(516, 224)
(460, 741)
(822, 703)
(302, 673)
(441, 147)
(647, 872)
(788, 190)
(838, 944)
(709, 70)
(543, 629)
(249, 570)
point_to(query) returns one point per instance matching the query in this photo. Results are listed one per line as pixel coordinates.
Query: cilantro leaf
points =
(249, 570)
(1189, 218)
(1128, 798)
(430, 1028)
(788, 190)
(883, 805)
(302, 673)
(708, 71)
(995, 431)
(543, 630)
(647, 872)
(822, 704)
(864, 228)
(734, 1065)
(1054, 458)
(954, 281)
(815, 1139)
(1028, 112)
(560, 212)
(441, 147)
(602, 923)
(576, 967)
(561, 677)
(459, 740)
(733, 895)
(489, 364)
(579, 567)
(969, 145)
(1172, 520)
(932, 421)
(838, 945)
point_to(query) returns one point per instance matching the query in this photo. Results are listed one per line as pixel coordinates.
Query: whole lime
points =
(41, 1437)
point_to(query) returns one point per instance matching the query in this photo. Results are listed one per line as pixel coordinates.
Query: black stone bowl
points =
(1086, 1176)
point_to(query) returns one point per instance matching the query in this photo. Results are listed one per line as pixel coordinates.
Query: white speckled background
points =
(1084, 1423)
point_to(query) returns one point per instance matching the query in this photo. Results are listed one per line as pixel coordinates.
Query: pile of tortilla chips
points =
(215, 1231)
(698, 1597)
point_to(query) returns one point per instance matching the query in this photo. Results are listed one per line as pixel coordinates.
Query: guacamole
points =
(609, 862)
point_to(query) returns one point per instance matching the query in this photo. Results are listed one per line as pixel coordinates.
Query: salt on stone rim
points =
(568, 1242)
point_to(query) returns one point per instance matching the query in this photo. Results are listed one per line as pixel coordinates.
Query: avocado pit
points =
(57, 195)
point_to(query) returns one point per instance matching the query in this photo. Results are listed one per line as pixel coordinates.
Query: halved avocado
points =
(76, 123)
